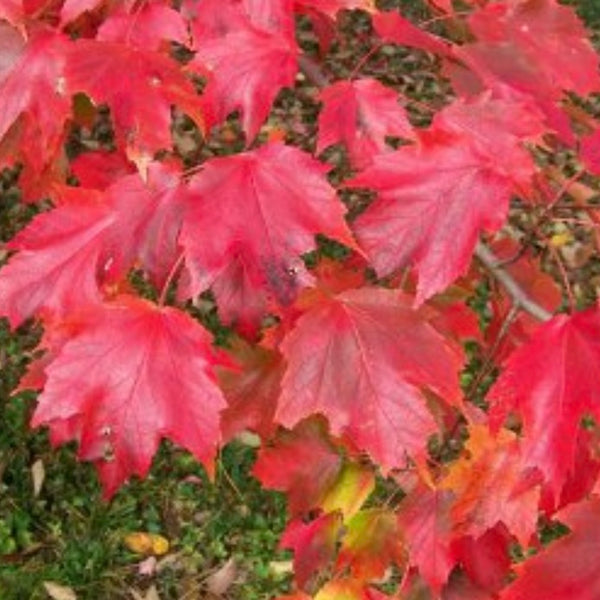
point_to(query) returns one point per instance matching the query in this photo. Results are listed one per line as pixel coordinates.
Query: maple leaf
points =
(361, 114)
(491, 486)
(148, 216)
(56, 250)
(141, 102)
(262, 209)
(536, 46)
(360, 359)
(133, 373)
(251, 390)
(552, 382)
(568, 568)
(371, 543)
(314, 544)
(486, 559)
(149, 27)
(32, 86)
(435, 198)
(426, 525)
(248, 66)
(303, 463)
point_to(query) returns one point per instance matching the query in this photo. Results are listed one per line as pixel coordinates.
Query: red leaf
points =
(148, 27)
(134, 373)
(552, 381)
(72, 9)
(486, 559)
(332, 7)
(314, 544)
(251, 390)
(424, 518)
(141, 102)
(568, 568)
(436, 197)
(57, 249)
(360, 359)
(148, 220)
(248, 66)
(491, 486)
(510, 48)
(262, 209)
(303, 463)
(360, 114)
(32, 84)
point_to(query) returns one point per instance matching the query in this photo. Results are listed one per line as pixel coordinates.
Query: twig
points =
(517, 293)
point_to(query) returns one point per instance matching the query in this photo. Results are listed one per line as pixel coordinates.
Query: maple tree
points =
(347, 291)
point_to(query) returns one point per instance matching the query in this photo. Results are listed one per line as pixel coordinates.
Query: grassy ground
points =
(65, 533)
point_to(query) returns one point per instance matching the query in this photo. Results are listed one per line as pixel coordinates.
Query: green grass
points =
(68, 535)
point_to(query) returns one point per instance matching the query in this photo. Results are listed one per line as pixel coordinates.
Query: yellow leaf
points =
(147, 543)
(558, 240)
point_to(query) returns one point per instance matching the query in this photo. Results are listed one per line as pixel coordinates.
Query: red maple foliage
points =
(350, 362)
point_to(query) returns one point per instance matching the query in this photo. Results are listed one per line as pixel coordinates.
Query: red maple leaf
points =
(361, 114)
(56, 250)
(536, 46)
(303, 463)
(248, 66)
(568, 568)
(491, 486)
(32, 86)
(132, 374)
(360, 359)
(395, 28)
(141, 102)
(314, 544)
(149, 27)
(262, 209)
(426, 525)
(552, 382)
(435, 197)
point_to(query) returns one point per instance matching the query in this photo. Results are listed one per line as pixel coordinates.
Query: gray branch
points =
(516, 292)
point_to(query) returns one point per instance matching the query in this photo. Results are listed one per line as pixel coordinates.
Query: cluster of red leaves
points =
(350, 377)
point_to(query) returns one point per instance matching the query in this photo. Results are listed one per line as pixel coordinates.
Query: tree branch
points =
(315, 75)
(516, 292)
